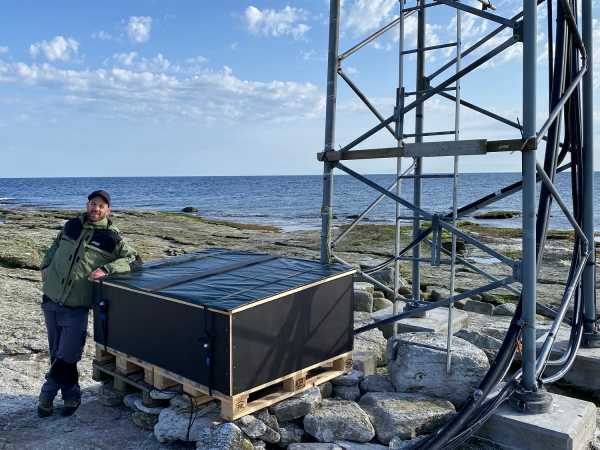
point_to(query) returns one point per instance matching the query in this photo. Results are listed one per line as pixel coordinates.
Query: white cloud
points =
(367, 15)
(3, 50)
(125, 58)
(270, 22)
(196, 60)
(102, 35)
(58, 49)
(153, 88)
(139, 28)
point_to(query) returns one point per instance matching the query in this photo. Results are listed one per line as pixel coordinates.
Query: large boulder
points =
(173, 424)
(257, 429)
(363, 301)
(376, 383)
(380, 303)
(227, 436)
(369, 341)
(290, 433)
(339, 420)
(417, 363)
(297, 406)
(404, 415)
(346, 392)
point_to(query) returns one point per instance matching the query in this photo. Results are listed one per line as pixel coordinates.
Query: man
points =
(88, 248)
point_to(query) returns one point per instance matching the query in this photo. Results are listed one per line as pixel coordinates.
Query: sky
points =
(170, 88)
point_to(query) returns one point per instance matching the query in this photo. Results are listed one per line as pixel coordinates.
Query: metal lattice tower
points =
(523, 272)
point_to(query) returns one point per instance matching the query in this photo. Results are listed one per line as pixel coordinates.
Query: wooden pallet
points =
(127, 371)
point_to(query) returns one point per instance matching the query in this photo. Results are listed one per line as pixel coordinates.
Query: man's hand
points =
(97, 274)
(44, 274)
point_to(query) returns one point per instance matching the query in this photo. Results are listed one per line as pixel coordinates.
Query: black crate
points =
(228, 321)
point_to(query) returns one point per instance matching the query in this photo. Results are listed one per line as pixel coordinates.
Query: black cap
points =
(105, 195)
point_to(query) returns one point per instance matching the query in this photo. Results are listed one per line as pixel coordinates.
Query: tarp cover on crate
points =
(230, 321)
(226, 279)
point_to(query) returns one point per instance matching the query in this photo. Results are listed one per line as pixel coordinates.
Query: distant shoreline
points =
(493, 226)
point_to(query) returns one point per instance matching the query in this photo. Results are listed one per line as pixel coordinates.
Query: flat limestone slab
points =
(570, 425)
(436, 321)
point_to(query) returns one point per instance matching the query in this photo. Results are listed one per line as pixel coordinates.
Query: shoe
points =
(44, 408)
(70, 407)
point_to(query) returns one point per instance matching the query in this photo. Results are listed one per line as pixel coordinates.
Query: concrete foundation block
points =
(569, 425)
(436, 321)
(585, 372)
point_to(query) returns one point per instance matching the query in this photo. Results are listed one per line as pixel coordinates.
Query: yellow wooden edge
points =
(217, 394)
(276, 397)
(289, 375)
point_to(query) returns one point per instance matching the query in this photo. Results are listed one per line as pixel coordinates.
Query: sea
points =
(289, 202)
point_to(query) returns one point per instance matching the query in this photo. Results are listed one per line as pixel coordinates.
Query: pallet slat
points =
(130, 371)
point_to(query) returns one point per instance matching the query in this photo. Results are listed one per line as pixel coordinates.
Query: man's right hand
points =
(44, 274)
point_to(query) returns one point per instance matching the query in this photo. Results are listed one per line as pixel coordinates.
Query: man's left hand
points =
(97, 274)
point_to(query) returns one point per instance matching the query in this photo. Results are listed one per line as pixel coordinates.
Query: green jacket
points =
(80, 248)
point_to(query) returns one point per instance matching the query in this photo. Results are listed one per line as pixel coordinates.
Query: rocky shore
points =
(367, 398)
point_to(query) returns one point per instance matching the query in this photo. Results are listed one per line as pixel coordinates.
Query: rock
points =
(108, 396)
(378, 294)
(257, 429)
(298, 405)
(398, 443)
(173, 424)
(381, 303)
(439, 293)
(479, 307)
(490, 345)
(363, 301)
(406, 291)
(497, 215)
(326, 389)
(314, 446)
(404, 414)
(162, 395)
(257, 444)
(417, 363)
(339, 420)
(143, 420)
(130, 399)
(347, 392)
(490, 298)
(147, 409)
(349, 379)
(347, 445)
(505, 309)
(376, 383)
(224, 437)
(365, 362)
(369, 341)
(269, 419)
(186, 403)
(364, 286)
(253, 427)
(290, 433)
(189, 209)
(21, 253)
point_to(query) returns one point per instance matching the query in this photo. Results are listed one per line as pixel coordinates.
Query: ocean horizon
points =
(291, 202)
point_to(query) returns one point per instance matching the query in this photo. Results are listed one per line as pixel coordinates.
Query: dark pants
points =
(67, 330)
